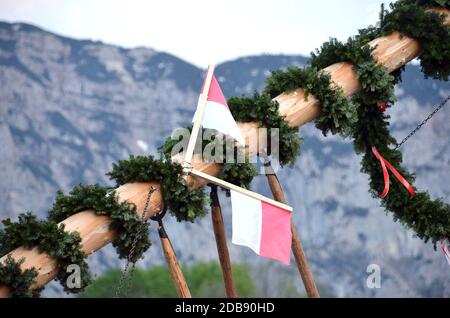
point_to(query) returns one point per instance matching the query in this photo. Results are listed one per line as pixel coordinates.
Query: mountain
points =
(70, 108)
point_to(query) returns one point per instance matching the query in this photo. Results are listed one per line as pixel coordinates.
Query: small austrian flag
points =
(263, 227)
(217, 115)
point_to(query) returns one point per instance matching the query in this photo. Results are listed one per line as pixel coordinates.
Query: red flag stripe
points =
(215, 93)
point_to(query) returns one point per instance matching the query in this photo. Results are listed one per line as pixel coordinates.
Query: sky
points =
(200, 31)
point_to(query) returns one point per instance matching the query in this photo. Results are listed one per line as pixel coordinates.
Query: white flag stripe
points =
(246, 221)
(218, 116)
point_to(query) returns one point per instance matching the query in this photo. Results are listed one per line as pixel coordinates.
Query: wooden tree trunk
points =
(392, 51)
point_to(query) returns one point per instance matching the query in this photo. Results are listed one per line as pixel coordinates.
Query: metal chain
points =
(423, 122)
(125, 273)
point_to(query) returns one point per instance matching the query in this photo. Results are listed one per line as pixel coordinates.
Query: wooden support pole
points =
(174, 267)
(297, 247)
(392, 51)
(221, 242)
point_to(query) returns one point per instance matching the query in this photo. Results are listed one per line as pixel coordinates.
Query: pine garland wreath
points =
(18, 281)
(240, 174)
(377, 84)
(104, 201)
(184, 204)
(50, 238)
(365, 122)
(236, 172)
(429, 219)
(337, 115)
(261, 109)
(358, 117)
(410, 18)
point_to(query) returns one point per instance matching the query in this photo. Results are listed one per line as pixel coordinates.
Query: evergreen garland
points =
(184, 204)
(376, 83)
(236, 172)
(337, 115)
(261, 109)
(19, 281)
(359, 117)
(104, 201)
(50, 238)
(430, 219)
(409, 18)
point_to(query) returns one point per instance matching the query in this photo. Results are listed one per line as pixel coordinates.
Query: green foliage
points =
(261, 109)
(50, 238)
(104, 201)
(431, 3)
(355, 50)
(236, 172)
(337, 115)
(19, 281)
(358, 117)
(430, 219)
(410, 19)
(204, 280)
(377, 84)
(240, 174)
(184, 204)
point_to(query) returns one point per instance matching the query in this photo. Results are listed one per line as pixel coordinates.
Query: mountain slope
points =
(69, 108)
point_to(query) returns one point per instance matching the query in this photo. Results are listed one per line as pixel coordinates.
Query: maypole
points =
(391, 51)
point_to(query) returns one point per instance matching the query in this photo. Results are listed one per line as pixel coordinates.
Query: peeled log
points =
(392, 51)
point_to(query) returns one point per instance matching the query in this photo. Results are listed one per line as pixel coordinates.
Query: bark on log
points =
(392, 51)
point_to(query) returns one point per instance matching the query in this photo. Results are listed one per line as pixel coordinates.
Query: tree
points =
(204, 280)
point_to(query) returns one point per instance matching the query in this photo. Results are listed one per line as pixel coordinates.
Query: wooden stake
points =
(172, 262)
(198, 117)
(297, 247)
(221, 242)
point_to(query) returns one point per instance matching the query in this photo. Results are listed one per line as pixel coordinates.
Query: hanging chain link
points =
(125, 273)
(423, 122)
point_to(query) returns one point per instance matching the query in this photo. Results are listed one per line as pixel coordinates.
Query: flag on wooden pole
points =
(263, 227)
(258, 222)
(217, 114)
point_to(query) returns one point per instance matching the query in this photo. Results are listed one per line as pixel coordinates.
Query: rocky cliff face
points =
(70, 108)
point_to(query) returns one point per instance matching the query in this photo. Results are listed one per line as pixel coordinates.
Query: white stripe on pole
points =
(246, 221)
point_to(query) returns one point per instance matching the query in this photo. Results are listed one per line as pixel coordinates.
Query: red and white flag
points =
(217, 115)
(263, 227)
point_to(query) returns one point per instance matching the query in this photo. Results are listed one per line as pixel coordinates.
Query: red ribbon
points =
(385, 165)
(444, 250)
